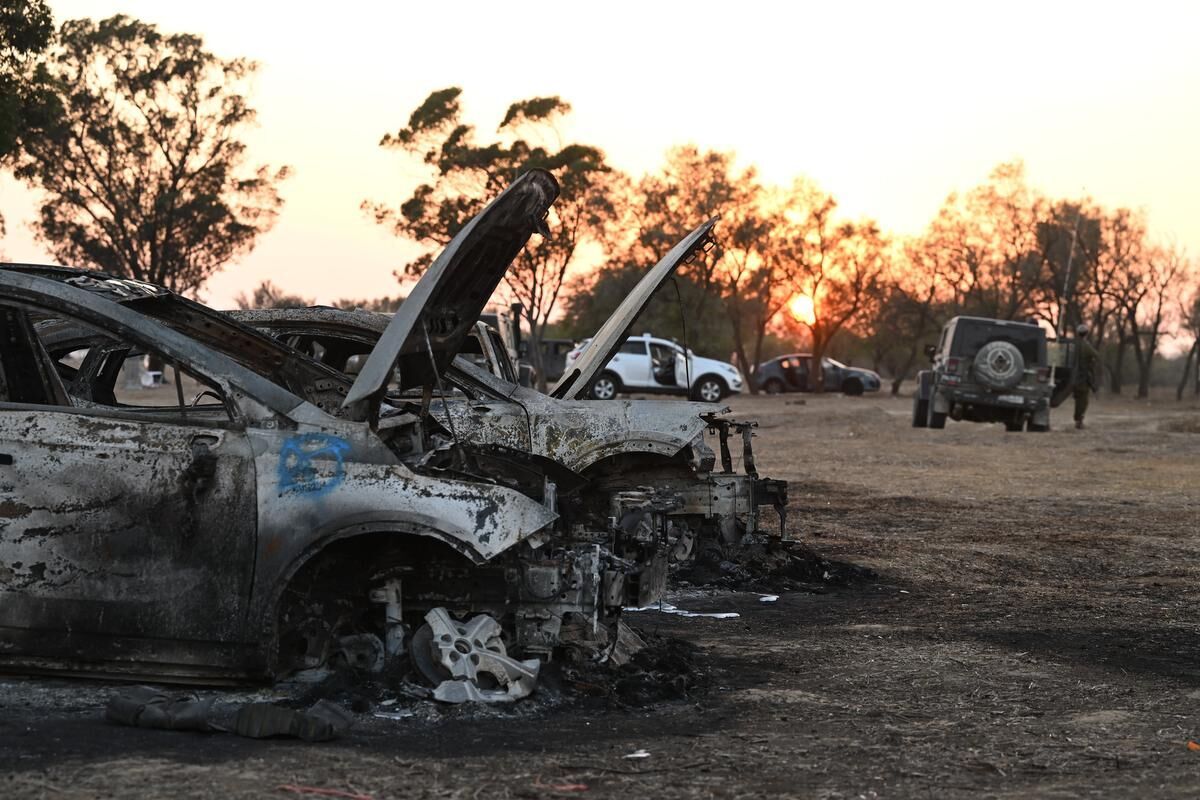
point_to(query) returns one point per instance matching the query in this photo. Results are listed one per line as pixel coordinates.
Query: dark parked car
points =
(790, 373)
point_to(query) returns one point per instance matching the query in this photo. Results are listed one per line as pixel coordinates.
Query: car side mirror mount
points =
(930, 350)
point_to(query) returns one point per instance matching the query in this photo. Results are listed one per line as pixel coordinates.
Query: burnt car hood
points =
(576, 382)
(439, 312)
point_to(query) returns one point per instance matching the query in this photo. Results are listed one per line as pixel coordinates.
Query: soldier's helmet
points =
(1081, 330)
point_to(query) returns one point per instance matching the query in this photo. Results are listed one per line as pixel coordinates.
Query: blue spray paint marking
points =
(312, 464)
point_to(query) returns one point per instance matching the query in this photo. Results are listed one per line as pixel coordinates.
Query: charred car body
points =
(648, 454)
(281, 513)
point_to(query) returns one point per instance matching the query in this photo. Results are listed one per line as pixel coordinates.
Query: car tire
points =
(920, 412)
(1033, 427)
(709, 389)
(937, 419)
(773, 386)
(852, 387)
(606, 387)
(999, 365)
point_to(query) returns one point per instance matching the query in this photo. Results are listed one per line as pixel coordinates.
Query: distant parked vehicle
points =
(658, 366)
(791, 373)
(989, 370)
(554, 357)
(507, 322)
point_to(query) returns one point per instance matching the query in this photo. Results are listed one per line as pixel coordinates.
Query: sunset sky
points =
(888, 106)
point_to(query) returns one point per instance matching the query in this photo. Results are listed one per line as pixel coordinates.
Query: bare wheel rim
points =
(604, 389)
(710, 391)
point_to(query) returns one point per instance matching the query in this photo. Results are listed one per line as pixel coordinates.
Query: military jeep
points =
(986, 370)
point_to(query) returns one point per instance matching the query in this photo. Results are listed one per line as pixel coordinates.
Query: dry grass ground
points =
(1032, 632)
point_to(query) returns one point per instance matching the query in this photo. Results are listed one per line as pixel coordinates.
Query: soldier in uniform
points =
(1086, 358)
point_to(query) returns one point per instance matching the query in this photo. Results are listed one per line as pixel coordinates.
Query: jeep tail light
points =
(1043, 374)
(952, 365)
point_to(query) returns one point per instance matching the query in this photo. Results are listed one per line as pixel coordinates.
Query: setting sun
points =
(802, 309)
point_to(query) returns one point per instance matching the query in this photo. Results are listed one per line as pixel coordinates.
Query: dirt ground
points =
(1030, 631)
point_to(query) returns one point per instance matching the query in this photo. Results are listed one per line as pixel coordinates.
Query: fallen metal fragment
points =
(457, 692)
(667, 608)
(625, 647)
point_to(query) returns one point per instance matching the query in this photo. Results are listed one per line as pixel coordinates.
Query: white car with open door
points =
(652, 365)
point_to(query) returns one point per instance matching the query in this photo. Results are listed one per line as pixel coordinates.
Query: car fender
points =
(577, 433)
(580, 437)
(710, 366)
(316, 487)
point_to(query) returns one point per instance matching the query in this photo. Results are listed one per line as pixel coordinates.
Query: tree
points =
(144, 172)
(834, 266)
(910, 304)
(1115, 256)
(386, 305)
(268, 295)
(658, 210)
(988, 238)
(1146, 296)
(1190, 325)
(26, 29)
(1067, 232)
(464, 174)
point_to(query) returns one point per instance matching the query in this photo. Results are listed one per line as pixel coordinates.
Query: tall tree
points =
(268, 295)
(386, 304)
(465, 173)
(988, 236)
(1147, 295)
(26, 101)
(910, 307)
(1189, 313)
(835, 268)
(754, 288)
(26, 29)
(656, 211)
(144, 173)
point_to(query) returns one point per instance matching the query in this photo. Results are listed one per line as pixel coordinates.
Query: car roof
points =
(989, 321)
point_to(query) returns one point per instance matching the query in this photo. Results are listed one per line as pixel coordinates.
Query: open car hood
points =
(451, 294)
(576, 382)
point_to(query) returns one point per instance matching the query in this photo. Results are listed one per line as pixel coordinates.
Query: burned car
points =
(263, 512)
(650, 453)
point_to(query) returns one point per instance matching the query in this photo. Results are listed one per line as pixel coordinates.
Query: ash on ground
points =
(666, 669)
(762, 563)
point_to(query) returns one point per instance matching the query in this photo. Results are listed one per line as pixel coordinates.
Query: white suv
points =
(658, 366)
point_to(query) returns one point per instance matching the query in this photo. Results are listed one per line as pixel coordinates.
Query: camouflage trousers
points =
(1082, 393)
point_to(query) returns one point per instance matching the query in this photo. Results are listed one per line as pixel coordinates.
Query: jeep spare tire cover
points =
(999, 365)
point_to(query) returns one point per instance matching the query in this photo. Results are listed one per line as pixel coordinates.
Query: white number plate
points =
(1011, 398)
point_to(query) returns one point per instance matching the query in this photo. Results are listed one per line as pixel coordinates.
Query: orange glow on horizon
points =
(802, 309)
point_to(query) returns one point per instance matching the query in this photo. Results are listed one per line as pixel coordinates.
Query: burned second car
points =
(277, 515)
(646, 455)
